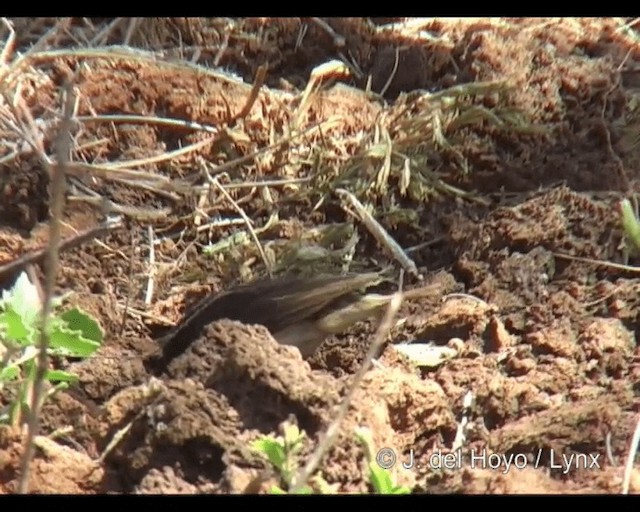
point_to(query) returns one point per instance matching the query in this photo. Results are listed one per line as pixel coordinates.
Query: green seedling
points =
(71, 333)
(282, 453)
(380, 478)
(631, 226)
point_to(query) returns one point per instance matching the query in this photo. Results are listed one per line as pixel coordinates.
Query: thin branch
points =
(148, 120)
(57, 204)
(70, 242)
(380, 234)
(152, 267)
(133, 25)
(339, 41)
(261, 74)
(164, 157)
(633, 449)
(601, 263)
(393, 73)
(223, 48)
(9, 44)
(130, 286)
(266, 183)
(216, 183)
(101, 37)
(326, 441)
(16, 66)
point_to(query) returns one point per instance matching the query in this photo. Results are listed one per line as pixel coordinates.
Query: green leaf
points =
(74, 333)
(630, 225)
(304, 490)
(272, 449)
(380, 479)
(293, 438)
(292, 434)
(30, 366)
(400, 489)
(71, 342)
(78, 320)
(60, 376)
(9, 372)
(14, 328)
(276, 490)
(323, 486)
(24, 299)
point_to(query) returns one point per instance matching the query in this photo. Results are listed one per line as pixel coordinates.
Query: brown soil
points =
(520, 194)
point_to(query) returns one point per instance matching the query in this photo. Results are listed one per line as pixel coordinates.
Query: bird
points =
(298, 311)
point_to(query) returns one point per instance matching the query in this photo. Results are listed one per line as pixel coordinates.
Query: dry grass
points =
(412, 152)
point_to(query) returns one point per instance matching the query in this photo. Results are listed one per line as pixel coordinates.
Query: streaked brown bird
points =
(301, 312)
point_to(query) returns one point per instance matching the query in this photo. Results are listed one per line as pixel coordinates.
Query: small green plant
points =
(282, 452)
(380, 478)
(71, 333)
(631, 226)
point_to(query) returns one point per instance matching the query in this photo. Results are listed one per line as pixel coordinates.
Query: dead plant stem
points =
(52, 260)
(326, 441)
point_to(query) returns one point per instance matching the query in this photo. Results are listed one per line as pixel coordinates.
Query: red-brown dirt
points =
(507, 191)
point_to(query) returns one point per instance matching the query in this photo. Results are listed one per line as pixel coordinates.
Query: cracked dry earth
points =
(544, 336)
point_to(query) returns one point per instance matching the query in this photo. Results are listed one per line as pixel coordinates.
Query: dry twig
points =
(57, 204)
(380, 234)
(70, 242)
(241, 212)
(327, 440)
(633, 449)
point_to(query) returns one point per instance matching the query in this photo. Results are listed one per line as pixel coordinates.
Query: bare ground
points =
(499, 151)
